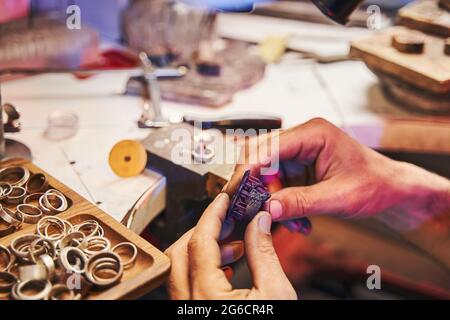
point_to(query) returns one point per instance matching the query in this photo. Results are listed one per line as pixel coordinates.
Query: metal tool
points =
(152, 115)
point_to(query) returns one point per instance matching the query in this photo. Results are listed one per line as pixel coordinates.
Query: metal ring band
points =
(9, 258)
(5, 189)
(7, 231)
(37, 183)
(34, 197)
(57, 195)
(33, 272)
(90, 245)
(18, 290)
(47, 222)
(7, 281)
(69, 239)
(22, 173)
(113, 264)
(9, 217)
(46, 245)
(89, 224)
(31, 214)
(65, 260)
(133, 257)
(16, 195)
(20, 246)
(49, 264)
(59, 290)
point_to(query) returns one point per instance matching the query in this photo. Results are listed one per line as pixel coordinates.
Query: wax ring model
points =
(16, 195)
(37, 183)
(13, 218)
(44, 225)
(33, 272)
(104, 261)
(59, 292)
(7, 281)
(16, 176)
(128, 263)
(31, 214)
(5, 190)
(41, 289)
(42, 246)
(6, 255)
(73, 260)
(94, 245)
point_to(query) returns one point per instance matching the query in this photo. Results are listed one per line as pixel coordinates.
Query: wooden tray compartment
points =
(151, 266)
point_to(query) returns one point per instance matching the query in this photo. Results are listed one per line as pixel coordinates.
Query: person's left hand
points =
(197, 259)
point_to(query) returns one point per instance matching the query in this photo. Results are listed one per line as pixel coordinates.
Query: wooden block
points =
(151, 266)
(429, 71)
(426, 16)
(408, 43)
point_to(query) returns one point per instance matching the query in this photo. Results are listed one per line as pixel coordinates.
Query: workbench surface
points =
(345, 93)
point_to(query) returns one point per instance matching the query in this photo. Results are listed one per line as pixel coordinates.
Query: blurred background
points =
(81, 90)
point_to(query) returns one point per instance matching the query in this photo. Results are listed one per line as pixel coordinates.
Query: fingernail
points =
(275, 209)
(232, 252)
(264, 223)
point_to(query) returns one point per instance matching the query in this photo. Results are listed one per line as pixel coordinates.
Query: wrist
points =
(418, 182)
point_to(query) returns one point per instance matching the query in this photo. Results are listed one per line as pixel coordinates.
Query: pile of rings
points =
(62, 261)
(30, 197)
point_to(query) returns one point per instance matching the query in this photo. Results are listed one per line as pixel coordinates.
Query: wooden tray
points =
(151, 266)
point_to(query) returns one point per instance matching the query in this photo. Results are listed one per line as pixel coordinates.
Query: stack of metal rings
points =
(62, 261)
(26, 198)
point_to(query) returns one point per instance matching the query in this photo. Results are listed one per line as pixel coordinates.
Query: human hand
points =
(352, 180)
(197, 260)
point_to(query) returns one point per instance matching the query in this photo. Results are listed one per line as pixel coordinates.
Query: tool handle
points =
(241, 121)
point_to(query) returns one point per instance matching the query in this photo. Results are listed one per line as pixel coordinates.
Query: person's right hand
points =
(352, 180)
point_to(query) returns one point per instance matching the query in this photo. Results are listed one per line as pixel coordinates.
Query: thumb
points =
(299, 202)
(268, 276)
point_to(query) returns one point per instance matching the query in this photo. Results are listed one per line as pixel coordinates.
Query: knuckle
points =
(302, 203)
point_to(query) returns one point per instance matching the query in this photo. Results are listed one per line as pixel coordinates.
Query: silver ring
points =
(15, 176)
(42, 246)
(34, 197)
(44, 224)
(31, 214)
(133, 257)
(33, 272)
(49, 264)
(56, 195)
(20, 246)
(7, 281)
(9, 217)
(59, 290)
(68, 240)
(16, 195)
(44, 285)
(104, 261)
(94, 245)
(68, 255)
(37, 183)
(9, 258)
(5, 190)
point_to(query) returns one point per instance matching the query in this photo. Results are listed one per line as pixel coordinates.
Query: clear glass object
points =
(61, 126)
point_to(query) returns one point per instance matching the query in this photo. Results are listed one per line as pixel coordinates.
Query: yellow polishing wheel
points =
(128, 158)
